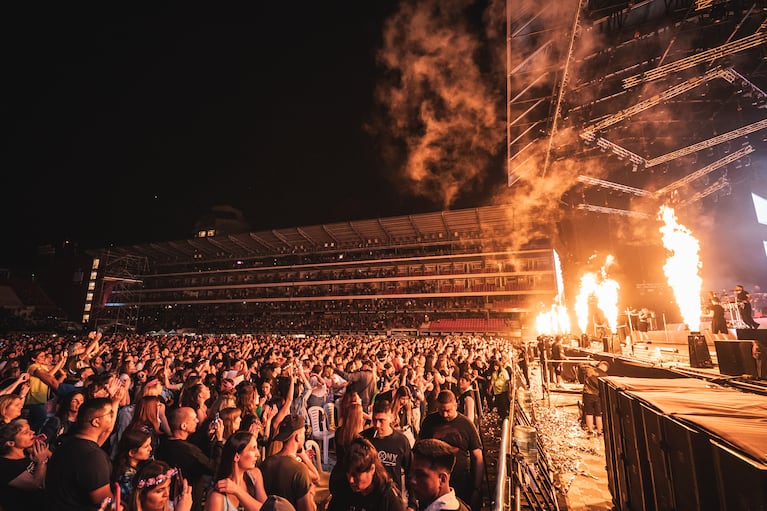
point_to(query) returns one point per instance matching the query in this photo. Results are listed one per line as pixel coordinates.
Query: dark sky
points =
(129, 131)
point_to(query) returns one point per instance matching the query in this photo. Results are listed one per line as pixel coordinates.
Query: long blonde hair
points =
(352, 425)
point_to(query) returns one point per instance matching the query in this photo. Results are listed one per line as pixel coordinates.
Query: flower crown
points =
(158, 479)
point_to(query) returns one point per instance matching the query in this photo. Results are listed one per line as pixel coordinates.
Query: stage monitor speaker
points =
(751, 334)
(735, 358)
(699, 354)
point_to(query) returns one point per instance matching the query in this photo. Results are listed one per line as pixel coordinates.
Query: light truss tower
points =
(120, 276)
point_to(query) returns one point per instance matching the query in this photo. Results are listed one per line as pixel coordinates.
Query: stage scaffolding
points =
(125, 274)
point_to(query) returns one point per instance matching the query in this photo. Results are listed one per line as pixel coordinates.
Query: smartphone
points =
(176, 485)
(216, 418)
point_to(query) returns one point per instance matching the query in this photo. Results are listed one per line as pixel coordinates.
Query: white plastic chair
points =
(311, 445)
(321, 430)
(330, 414)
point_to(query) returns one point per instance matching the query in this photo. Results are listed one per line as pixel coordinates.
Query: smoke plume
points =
(441, 101)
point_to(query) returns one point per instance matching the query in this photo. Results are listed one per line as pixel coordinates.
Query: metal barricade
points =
(523, 477)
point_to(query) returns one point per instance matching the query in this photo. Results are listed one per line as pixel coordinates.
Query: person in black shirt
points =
(456, 430)
(592, 405)
(371, 487)
(718, 322)
(744, 302)
(21, 475)
(392, 445)
(79, 471)
(196, 466)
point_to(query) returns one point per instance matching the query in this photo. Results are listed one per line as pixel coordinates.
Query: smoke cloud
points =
(441, 99)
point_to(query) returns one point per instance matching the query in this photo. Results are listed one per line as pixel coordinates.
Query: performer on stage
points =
(744, 302)
(718, 323)
(643, 323)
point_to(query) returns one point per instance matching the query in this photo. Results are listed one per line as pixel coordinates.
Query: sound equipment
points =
(741, 482)
(699, 354)
(689, 460)
(735, 358)
(753, 334)
(612, 344)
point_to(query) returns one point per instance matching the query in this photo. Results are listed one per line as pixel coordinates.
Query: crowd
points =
(146, 423)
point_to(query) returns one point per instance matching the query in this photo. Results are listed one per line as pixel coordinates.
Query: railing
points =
(503, 483)
(521, 477)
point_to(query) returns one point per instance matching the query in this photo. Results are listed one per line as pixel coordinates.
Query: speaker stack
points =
(679, 444)
(698, 348)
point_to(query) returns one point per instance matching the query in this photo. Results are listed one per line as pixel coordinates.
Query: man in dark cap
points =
(284, 474)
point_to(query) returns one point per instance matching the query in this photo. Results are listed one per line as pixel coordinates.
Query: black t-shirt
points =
(15, 499)
(287, 477)
(186, 456)
(77, 467)
(385, 498)
(461, 434)
(394, 453)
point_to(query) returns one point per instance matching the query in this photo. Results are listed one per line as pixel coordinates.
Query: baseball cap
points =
(277, 503)
(289, 424)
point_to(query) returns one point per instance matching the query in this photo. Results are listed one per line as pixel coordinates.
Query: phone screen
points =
(176, 485)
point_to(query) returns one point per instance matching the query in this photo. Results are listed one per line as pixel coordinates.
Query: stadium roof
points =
(443, 226)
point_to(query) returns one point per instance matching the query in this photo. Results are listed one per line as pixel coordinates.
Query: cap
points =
(289, 424)
(277, 503)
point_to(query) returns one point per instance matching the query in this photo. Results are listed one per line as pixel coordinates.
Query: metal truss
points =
(612, 211)
(760, 37)
(736, 78)
(722, 184)
(689, 178)
(711, 142)
(674, 91)
(614, 186)
(621, 152)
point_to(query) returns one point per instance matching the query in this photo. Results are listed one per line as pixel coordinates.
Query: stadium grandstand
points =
(442, 272)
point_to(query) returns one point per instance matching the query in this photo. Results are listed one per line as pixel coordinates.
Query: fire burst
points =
(557, 320)
(682, 266)
(605, 290)
(553, 322)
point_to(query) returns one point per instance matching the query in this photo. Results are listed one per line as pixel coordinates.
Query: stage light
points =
(760, 206)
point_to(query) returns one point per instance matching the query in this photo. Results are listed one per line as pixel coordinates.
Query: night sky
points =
(121, 132)
(122, 129)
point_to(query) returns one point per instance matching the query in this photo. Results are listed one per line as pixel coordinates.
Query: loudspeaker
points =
(662, 490)
(741, 481)
(753, 334)
(689, 465)
(735, 358)
(699, 355)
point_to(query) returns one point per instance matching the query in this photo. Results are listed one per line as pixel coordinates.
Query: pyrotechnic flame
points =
(553, 322)
(588, 288)
(682, 266)
(605, 290)
(607, 300)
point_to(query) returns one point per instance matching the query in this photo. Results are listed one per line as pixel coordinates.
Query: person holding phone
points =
(161, 488)
(23, 464)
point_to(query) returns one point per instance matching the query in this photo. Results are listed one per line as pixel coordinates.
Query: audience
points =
(186, 421)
